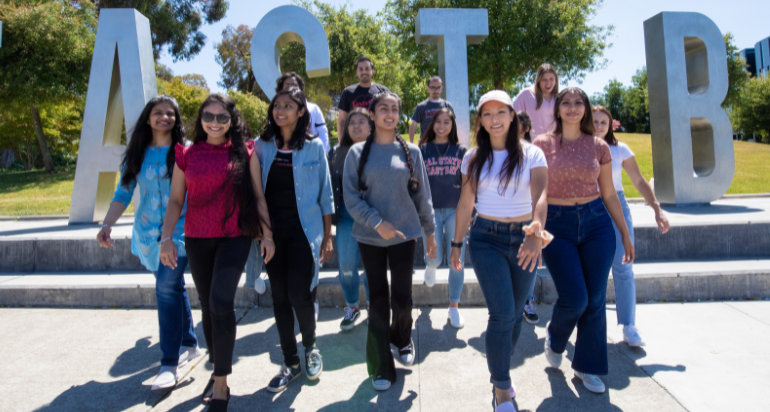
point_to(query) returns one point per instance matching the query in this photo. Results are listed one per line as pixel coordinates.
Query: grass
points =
(38, 193)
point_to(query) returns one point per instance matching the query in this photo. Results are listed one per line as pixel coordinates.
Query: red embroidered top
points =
(210, 196)
(573, 167)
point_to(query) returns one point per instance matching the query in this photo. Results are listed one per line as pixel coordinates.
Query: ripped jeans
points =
(348, 258)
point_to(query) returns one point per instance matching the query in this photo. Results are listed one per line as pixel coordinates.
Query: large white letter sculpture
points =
(453, 30)
(122, 81)
(280, 26)
(692, 145)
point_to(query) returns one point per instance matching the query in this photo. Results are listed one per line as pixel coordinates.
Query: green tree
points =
(234, 55)
(752, 113)
(635, 116)
(175, 24)
(188, 96)
(46, 55)
(522, 35)
(736, 73)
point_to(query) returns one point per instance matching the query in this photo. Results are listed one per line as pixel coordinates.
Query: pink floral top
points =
(573, 167)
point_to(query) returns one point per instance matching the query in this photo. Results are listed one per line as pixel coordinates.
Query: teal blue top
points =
(154, 191)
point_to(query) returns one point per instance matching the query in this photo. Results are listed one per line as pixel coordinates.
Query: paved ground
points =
(700, 357)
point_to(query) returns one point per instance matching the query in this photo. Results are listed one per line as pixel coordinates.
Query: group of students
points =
(203, 204)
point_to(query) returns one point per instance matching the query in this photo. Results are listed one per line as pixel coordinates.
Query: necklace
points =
(445, 151)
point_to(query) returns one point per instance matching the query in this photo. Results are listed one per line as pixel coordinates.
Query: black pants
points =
(291, 272)
(398, 298)
(216, 265)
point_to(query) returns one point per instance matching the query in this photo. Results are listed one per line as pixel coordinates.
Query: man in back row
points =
(361, 94)
(424, 111)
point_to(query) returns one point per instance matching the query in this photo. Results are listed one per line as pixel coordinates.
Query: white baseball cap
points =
(494, 95)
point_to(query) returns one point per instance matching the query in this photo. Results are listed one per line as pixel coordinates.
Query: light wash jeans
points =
(174, 314)
(622, 274)
(445, 223)
(348, 257)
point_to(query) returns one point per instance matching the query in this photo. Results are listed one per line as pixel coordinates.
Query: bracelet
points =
(107, 226)
(535, 229)
(165, 239)
(378, 224)
(456, 244)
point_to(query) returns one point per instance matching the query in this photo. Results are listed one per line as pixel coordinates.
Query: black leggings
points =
(216, 265)
(291, 272)
(400, 257)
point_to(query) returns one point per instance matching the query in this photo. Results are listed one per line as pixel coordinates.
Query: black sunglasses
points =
(222, 118)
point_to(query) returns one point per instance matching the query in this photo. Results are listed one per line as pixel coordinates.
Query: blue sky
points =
(747, 20)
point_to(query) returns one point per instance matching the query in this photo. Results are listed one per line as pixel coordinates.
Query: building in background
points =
(749, 56)
(762, 56)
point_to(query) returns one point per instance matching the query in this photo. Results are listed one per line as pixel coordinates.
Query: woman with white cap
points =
(503, 177)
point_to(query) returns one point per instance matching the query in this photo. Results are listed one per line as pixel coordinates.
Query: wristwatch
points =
(456, 244)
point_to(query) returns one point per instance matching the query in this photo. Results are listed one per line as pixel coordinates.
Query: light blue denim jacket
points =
(313, 187)
(154, 190)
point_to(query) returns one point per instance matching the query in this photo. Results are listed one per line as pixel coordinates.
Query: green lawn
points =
(38, 193)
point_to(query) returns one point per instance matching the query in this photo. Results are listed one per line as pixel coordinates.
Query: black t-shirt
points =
(279, 194)
(356, 96)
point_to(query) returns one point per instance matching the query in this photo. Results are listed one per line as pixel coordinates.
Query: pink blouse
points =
(210, 196)
(542, 119)
(573, 167)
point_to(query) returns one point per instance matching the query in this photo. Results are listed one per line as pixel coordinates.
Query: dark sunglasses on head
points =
(222, 118)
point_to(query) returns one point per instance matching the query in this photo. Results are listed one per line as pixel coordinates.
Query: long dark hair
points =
(345, 139)
(542, 71)
(485, 155)
(141, 138)
(286, 76)
(610, 136)
(430, 134)
(413, 183)
(586, 123)
(526, 123)
(239, 174)
(301, 130)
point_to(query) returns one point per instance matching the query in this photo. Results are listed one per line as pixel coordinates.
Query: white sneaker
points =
(259, 285)
(553, 358)
(167, 378)
(591, 382)
(505, 407)
(455, 318)
(513, 390)
(430, 276)
(316, 307)
(186, 354)
(407, 354)
(631, 336)
(380, 384)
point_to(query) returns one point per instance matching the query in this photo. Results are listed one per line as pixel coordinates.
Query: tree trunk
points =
(41, 140)
(250, 82)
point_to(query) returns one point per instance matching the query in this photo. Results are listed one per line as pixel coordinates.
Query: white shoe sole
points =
(591, 388)
(315, 377)
(633, 344)
(381, 387)
(283, 388)
(460, 326)
(531, 322)
(187, 360)
(167, 385)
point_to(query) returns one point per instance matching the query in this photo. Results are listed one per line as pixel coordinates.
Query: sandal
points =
(208, 391)
(219, 405)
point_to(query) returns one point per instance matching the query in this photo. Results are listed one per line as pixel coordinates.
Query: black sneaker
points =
(284, 377)
(406, 354)
(351, 316)
(314, 363)
(530, 313)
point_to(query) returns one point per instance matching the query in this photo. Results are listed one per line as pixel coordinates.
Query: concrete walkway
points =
(700, 357)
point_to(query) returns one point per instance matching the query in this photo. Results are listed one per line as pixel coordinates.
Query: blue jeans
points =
(579, 259)
(531, 294)
(505, 284)
(348, 258)
(174, 314)
(445, 221)
(622, 274)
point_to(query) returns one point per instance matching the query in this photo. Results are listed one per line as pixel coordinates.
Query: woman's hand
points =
(103, 237)
(630, 252)
(267, 248)
(454, 258)
(327, 248)
(530, 253)
(168, 253)
(661, 220)
(430, 245)
(388, 231)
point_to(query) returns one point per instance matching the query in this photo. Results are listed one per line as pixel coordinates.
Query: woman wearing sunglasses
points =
(226, 209)
(299, 197)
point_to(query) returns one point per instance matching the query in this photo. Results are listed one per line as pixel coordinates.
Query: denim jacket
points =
(312, 185)
(154, 190)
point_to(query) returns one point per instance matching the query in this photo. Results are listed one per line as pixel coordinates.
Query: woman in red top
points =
(580, 195)
(226, 209)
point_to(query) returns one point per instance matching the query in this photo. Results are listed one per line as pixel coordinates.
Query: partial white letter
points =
(453, 30)
(279, 27)
(122, 81)
(692, 145)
